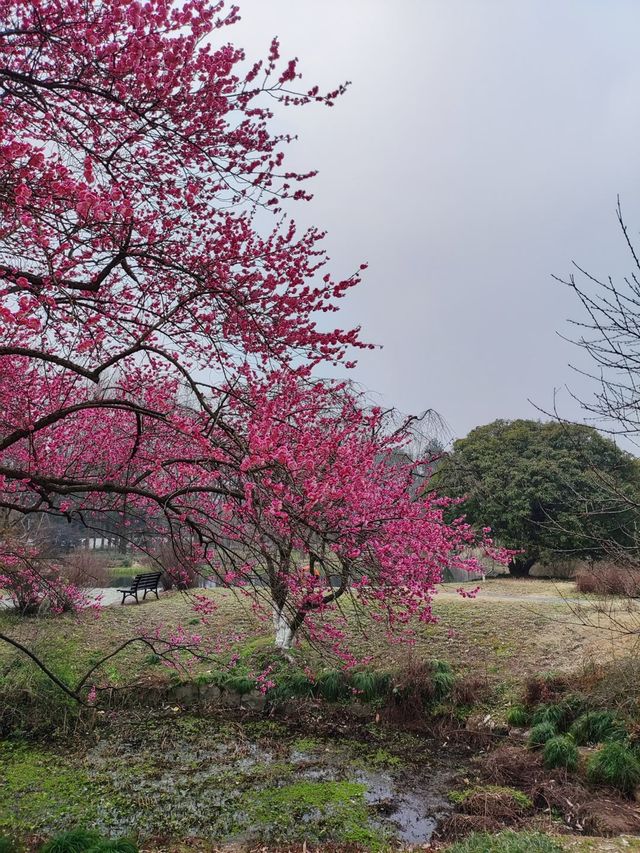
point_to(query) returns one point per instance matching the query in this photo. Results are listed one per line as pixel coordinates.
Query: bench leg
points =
(145, 594)
(157, 596)
(136, 595)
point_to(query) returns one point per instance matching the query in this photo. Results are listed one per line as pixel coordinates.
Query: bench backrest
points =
(146, 581)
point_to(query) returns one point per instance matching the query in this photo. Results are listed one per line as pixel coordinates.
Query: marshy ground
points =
(186, 779)
(171, 775)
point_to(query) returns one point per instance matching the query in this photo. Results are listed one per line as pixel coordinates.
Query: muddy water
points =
(404, 800)
(232, 782)
(412, 810)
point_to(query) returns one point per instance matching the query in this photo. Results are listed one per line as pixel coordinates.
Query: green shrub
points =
(597, 727)
(517, 716)
(74, 841)
(616, 765)
(7, 845)
(561, 751)
(371, 685)
(507, 841)
(541, 733)
(117, 845)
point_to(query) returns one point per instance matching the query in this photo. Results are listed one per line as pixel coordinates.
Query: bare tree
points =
(609, 333)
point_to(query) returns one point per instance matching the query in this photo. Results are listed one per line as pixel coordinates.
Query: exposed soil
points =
(557, 792)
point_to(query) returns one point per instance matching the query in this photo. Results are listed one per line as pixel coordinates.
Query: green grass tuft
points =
(7, 845)
(300, 684)
(574, 706)
(541, 733)
(507, 841)
(371, 686)
(218, 678)
(443, 680)
(116, 845)
(597, 727)
(616, 765)
(332, 686)
(517, 716)
(291, 684)
(561, 751)
(73, 841)
(240, 684)
(519, 798)
(554, 714)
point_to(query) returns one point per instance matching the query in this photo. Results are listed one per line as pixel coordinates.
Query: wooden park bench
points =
(147, 582)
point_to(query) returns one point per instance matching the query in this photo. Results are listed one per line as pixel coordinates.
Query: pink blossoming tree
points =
(328, 505)
(157, 345)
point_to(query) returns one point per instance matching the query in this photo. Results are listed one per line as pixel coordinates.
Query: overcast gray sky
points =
(479, 149)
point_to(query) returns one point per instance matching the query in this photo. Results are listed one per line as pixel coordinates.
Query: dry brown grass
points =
(607, 579)
(85, 568)
(497, 641)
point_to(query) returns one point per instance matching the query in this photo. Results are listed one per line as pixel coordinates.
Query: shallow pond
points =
(205, 778)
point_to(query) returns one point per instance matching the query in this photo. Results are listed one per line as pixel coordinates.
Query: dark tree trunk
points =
(519, 567)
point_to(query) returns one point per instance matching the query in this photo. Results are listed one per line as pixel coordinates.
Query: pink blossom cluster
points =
(31, 582)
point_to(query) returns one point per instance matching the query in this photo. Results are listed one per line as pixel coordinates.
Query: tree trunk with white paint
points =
(283, 629)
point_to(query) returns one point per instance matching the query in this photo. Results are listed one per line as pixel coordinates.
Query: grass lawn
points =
(511, 630)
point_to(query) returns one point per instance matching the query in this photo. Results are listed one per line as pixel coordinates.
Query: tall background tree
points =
(550, 490)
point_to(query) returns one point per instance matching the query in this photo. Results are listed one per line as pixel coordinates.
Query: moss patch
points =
(316, 811)
(39, 791)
